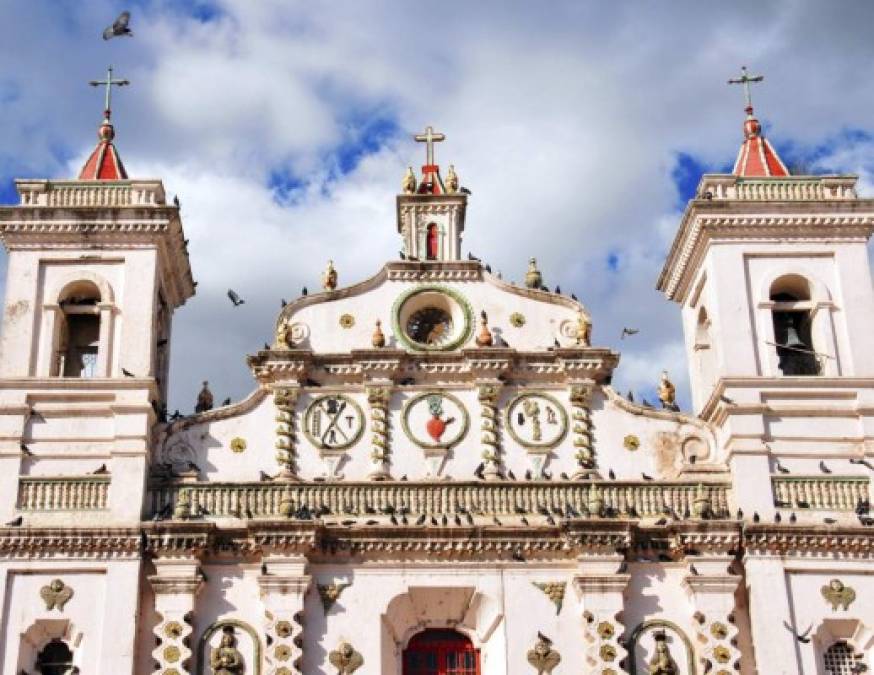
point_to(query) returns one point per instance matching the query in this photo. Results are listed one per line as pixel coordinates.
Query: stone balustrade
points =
(788, 188)
(821, 493)
(91, 193)
(265, 500)
(68, 493)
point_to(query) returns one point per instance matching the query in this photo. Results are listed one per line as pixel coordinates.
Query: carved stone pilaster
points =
(711, 589)
(490, 437)
(601, 588)
(285, 400)
(581, 421)
(378, 396)
(283, 589)
(175, 585)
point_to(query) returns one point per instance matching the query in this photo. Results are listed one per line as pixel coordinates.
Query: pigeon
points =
(630, 396)
(693, 570)
(564, 476)
(434, 521)
(119, 27)
(800, 637)
(645, 477)
(127, 373)
(524, 521)
(266, 346)
(347, 523)
(283, 302)
(510, 474)
(574, 297)
(863, 462)
(793, 518)
(726, 399)
(402, 255)
(162, 342)
(15, 522)
(393, 519)
(517, 555)
(304, 291)
(556, 343)
(740, 514)
(227, 401)
(265, 477)
(780, 467)
(488, 268)
(100, 470)
(235, 298)
(777, 517)
(404, 477)
(463, 190)
(829, 521)
(176, 201)
(478, 471)
(558, 290)
(824, 468)
(628, 331)
(472, 257)
(528, 475)
(756, 517)
(421, 520)
(496, 521)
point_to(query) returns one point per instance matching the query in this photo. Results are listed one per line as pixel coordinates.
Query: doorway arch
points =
(441, 651)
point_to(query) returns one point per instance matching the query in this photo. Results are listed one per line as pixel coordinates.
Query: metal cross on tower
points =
(745, 80)
(108, 83)
(430, 137)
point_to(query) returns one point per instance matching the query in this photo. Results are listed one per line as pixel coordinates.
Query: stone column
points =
(285, 400)
(581, 420)
(48, 340)
(776, 648)
(283, 589)
(711, 590)
(175, 584)
(601, 589)
(488, 392)
(104, 344)
(378, 397)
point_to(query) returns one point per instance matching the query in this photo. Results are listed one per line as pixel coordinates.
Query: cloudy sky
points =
(285, 127)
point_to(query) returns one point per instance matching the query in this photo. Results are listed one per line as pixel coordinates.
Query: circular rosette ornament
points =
(435, 420)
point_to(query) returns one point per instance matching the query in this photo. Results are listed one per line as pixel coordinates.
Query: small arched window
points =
(842, 659)
(702, 330)
(79, 331)
(56, 658)
(792, 317)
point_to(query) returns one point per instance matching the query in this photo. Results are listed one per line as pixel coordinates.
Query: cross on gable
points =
(429, 138)
(109, 83)
(745, 80)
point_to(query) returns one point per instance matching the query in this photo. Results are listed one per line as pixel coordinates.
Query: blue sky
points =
(284, 127)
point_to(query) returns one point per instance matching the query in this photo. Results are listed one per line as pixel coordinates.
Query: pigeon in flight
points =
(235, 298)
(628, 331)
(119, 27)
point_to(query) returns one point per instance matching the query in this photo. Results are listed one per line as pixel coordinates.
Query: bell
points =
(792, 339)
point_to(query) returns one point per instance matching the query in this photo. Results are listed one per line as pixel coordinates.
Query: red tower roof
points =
(104, 163)
(757, 156)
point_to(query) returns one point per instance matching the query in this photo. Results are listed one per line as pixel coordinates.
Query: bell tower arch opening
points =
(792, 316)
(441, 651)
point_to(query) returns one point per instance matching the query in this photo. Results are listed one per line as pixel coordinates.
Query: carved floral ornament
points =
(238, 444)
(330, 593)
(554, 591)
(631, 442)
(543, 657)
(345, 659)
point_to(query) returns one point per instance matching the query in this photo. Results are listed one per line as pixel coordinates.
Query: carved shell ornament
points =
(838, 595)
(543, 657)
(56, 594)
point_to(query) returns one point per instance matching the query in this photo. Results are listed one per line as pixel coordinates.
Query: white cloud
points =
(563, 119)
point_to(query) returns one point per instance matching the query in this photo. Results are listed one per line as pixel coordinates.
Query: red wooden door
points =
(441, 652)
(433, 243)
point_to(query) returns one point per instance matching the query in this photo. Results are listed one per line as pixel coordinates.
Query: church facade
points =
(432, 474)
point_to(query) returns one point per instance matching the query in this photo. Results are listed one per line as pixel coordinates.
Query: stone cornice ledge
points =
(820, 541)
(84, 542)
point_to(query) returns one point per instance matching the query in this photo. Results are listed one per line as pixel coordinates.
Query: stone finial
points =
(667, 392)
(204, 399)
(345, 659)
(378, 337)
(484, 338)
(56, 595)
(329, 277)
(451, 181)
(533, 277)
(584, 329)
(543, 657)
(408, 183)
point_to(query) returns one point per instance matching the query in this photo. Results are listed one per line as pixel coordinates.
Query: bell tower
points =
(772, 274)
(96, 267)
(431, 210)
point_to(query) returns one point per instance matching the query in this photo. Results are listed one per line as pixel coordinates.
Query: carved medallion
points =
(238, 444)
(607, 652)
(282, 671)
(838, 595)
(333, 422)
(536, 420)
(345, 659)
(283, 629)
(347, 321)
(435, 420)
(173, 630)
(605, 630)
(631, 442)
(282, 653)
(56, 595)
(517, 319)
(172, 654)
(554, 590)
(719, 630)
(721, 653)
(170, 671)
(432, 318)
